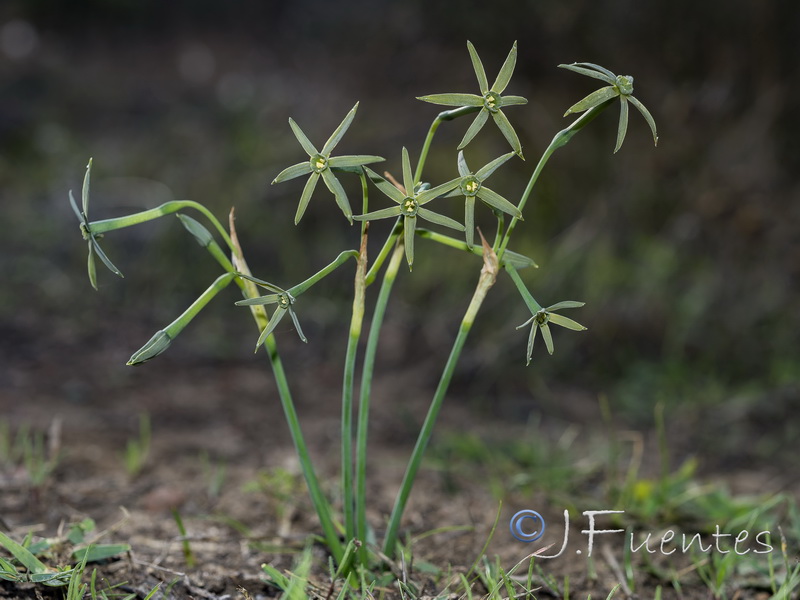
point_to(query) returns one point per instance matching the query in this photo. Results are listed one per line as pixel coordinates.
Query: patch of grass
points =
(138, 449)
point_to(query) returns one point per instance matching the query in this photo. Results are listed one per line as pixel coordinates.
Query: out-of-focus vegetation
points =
(688, 255)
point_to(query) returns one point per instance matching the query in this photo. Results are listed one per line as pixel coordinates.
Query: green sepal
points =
(477, 65)
(622, 127)
(463, 169)
(474, 128)
(338, 193)
(342, 162)
(383, 213)
(310, 149)
(385, 186)
(337, 135)
(428, 195)
(565, 304)
(453, 99)
(303, 168)
(433, 217)
(297, 325)
(512, 101)
(596, 71)
(647, 117)
(566, 322)
(508, 132)
(495, 200)
(273, 323)
(305, 197)
(260, 300)
(486, 171)
(409, 225)
(596, 98)
(506, 71)
(548, 338)
(408, 177)
(469, 219)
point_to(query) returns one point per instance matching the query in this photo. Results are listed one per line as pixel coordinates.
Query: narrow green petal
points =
(409, 225)
(338, 192)
(433, 217)
(306, 196)
(622, 129)
(565, 304)
(199, 232)
(85, 189)
(99, 251)
(408, 177)
(548, 337)
(469, 219)
(453, 99)
(495, 200)
(260, 300)
(297, 327)
(385, 186)
(531, 340)
(473, 130)
(383, 213)
(508, 131)
(484, 172)
(310, 149)
(512, 100)
(90, 266)
(597, 72)
(273, 323)
(74, 206)
(303, 168)
(355, 160)
(463, 169)
(155, 345)
(518, 261)
(337, 135)
(595, 98)
(261, 283)
(647, 117)
(506, 71)
(566, 322)
(428, 195)
(480, 73)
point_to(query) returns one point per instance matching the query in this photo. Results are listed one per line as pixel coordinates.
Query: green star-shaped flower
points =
(410, 204)
(282, 298)
(541, 320)
(320, 164)
(471, 187)
(490, 101)
(619, 86)
(86, 231)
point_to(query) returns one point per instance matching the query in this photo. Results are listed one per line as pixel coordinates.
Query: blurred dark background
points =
(688, 255)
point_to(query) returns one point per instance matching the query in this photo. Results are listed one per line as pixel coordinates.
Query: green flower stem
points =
(348, 380)
(364, 201)
(559, 140)
(447, 115)
(519, 260)
(321, 505)
(387, 247)
(485, 282)
(530, 301)
(389, 277)
(98, 227)
(321, 274)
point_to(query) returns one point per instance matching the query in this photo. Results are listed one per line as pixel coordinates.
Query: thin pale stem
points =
(447, 115)
(485, 282)
(348, 381)
(389, 277)
(559, 140)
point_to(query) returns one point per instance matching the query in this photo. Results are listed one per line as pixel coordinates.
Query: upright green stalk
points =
(485, 282)
(348, 379)
(364, 398)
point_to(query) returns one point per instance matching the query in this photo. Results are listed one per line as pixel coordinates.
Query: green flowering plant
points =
(345, 536)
